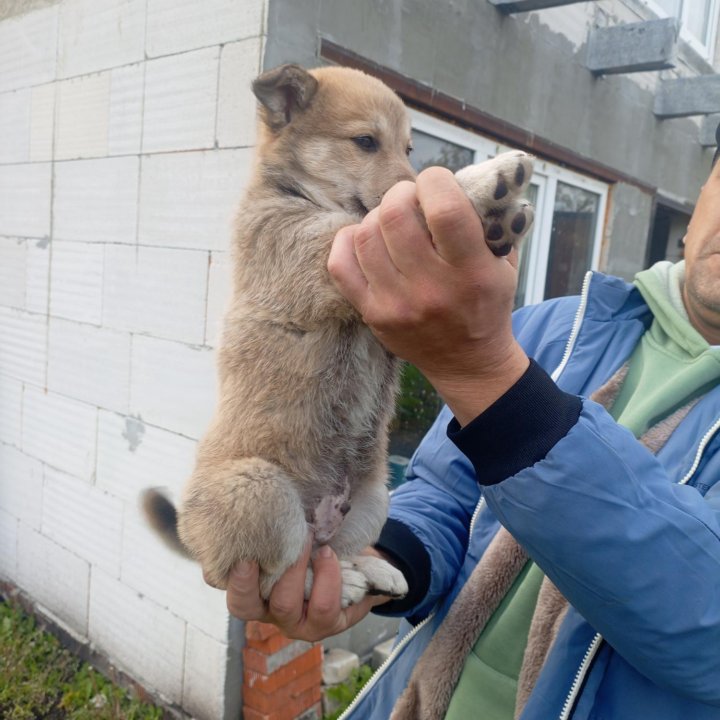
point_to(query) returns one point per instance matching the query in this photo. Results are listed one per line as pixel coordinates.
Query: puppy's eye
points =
(408, 150)
(366, 142)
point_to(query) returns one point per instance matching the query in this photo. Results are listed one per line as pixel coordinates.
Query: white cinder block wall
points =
(125, 134)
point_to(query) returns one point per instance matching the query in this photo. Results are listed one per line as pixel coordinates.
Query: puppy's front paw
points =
(368, 575)
(495, 188)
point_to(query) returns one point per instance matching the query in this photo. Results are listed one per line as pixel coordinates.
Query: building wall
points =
(125, 134)
(527, 70)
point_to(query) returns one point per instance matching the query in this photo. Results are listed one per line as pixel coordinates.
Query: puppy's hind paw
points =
(369, 575)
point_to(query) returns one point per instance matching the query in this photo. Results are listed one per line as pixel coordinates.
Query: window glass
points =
(572, 238)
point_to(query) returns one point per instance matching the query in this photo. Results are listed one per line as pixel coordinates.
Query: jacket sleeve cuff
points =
(409, 555)
(519, 429)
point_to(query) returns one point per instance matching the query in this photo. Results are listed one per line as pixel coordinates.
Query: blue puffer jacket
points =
(632, 540)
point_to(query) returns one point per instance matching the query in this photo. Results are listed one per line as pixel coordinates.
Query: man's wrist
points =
(471, 393)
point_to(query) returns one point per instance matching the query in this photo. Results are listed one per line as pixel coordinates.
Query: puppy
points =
(306, 392)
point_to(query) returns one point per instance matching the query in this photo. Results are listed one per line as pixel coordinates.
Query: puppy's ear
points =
(283, 92)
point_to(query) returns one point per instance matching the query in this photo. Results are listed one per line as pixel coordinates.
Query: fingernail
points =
(325, 552)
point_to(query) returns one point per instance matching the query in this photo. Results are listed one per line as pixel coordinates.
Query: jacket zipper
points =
(579, 317)
(597, 639)
(375, 677)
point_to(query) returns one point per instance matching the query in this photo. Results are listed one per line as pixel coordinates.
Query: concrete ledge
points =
(709, 130)
(635, 47)
(516, 6)
(688, 96)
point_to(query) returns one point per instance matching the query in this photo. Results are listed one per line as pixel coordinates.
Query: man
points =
(625, 523)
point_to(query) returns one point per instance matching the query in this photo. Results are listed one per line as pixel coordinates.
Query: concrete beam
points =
(710, 131)
(688, 96)
(635, 47)
(516, 6)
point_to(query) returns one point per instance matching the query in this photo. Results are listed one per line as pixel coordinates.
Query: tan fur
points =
(306, 391)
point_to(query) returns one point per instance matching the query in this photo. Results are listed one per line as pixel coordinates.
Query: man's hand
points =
(421, 275)
(319, 617)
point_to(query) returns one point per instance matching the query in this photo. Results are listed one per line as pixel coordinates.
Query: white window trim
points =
(706, 51)
(545, 176)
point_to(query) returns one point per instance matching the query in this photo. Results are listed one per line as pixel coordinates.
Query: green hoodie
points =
(672, 364)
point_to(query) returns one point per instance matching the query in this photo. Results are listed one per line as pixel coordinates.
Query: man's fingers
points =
(286, 603)
(324, 602)
(372, 252)
(243, 592)
(455, 226)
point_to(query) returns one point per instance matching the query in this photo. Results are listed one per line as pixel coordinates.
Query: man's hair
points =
(717, 142)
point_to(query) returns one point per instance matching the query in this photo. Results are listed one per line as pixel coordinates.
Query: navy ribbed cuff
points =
(519, 429)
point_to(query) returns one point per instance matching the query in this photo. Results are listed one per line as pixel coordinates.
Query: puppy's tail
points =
(162, 516)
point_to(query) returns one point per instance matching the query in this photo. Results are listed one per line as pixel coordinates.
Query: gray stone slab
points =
(709, 129)
(635, 47)
(688, 96)
(516, 6)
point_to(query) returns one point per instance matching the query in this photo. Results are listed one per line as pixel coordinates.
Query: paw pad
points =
(496, 189)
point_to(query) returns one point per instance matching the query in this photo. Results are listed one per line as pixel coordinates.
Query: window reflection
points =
(571, 240)
(429, 150)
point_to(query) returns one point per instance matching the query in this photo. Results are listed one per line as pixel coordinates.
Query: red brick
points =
(298, 695)
(284, 714)
(310, 661)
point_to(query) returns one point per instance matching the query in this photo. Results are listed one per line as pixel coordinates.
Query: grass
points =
(41, 680)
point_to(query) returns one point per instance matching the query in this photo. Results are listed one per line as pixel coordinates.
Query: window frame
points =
(705, 51)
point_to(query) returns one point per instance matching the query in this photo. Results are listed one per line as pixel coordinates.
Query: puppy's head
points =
(342, 137)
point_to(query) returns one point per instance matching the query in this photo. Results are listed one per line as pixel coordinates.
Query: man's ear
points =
(283, 92)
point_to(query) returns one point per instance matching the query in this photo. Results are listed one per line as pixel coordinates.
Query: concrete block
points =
(54, 577)
(10, 410)
(59, 431)
(37, 267)
(709, 130)
(21, 486)
(337, 666)
(240, 64)
(205, 676)
(83, 117)
(13, 272)
(382, 652)
(188, 200)
(126, 98)
(23, 348)
(219, 295)
(133, 455)
(100, 34)
(77, 279)
(89, 363)
(180, 101)
(688, 96)
(28, 49)
(142, 638)
(172, 385)
(8, 546)
(15, 126)
(171, 581)
(159, 291)
(96, 200)
(83, 519)
(42, 122)
(177, 25)
(633, 47)
(25, 200)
